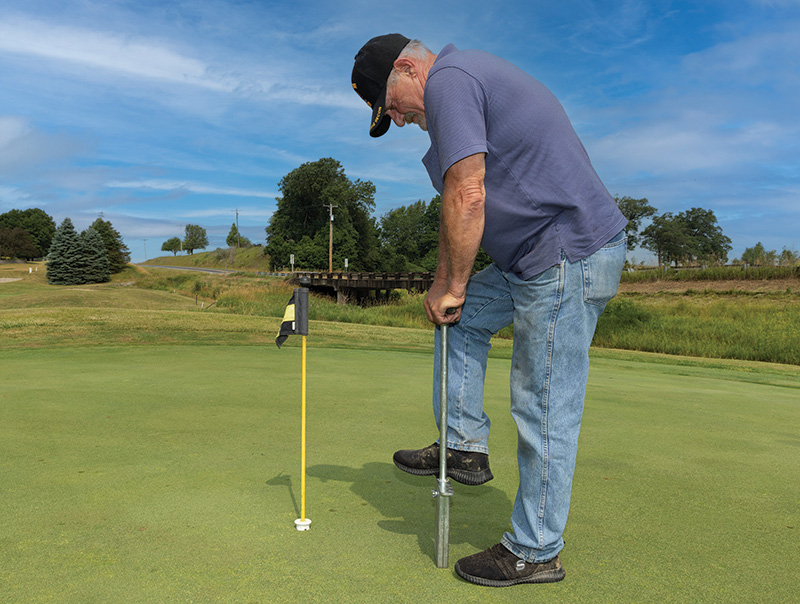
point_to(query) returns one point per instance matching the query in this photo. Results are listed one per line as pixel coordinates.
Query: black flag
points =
(295, 319)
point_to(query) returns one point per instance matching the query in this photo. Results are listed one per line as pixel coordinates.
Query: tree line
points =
(71, 258)
(690, 238)
(406, 239)
(196, 238)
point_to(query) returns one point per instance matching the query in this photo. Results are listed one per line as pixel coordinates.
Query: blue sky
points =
(163, 113)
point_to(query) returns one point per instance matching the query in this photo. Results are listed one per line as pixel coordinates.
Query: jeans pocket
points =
(602, 270)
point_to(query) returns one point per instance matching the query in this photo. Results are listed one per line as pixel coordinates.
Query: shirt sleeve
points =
(455, 109)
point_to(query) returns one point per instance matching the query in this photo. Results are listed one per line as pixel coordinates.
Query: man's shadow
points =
(478, 515)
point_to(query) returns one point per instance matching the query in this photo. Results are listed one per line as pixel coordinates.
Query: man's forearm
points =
(462, 221)
(463, 230)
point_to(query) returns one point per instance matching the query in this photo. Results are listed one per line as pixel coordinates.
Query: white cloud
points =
(23, 147)
(689, 144)
(612, 27)
(766, 57)
(100, 53)
(108, 51)
(189, 187)
(12, 198)
(244, 213)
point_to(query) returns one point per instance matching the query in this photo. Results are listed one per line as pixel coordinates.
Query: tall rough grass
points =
(727, 325)
(754, 329)
(714, 273)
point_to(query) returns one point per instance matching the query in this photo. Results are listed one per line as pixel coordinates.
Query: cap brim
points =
(380, 121)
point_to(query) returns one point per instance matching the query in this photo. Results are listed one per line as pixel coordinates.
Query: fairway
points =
(171, 474)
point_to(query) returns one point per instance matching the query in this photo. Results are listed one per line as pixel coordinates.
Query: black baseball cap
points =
(374, 63)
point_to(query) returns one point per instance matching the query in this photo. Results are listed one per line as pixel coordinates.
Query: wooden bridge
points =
(357, 286)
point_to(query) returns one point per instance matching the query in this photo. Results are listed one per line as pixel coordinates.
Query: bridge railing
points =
(368, 280)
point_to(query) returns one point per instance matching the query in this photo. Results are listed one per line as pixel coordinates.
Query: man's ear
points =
(405, 65)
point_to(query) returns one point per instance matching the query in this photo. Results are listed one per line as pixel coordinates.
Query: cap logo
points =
(355, 87)
(378, 116)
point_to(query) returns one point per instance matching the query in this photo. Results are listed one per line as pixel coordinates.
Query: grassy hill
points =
(248, 259)
(147, 304)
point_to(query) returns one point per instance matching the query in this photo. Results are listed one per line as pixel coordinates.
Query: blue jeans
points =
(554, 315)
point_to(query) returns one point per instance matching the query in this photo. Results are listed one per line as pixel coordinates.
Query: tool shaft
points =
(444, 489)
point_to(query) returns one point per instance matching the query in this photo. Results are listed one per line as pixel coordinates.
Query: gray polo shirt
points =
(542, 193)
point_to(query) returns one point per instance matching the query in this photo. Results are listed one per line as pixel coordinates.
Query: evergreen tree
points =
(236, 239)
(116, 251)
(94, 259)
(65, 257)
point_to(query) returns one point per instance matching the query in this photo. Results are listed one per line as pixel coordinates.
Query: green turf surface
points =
(171, 474)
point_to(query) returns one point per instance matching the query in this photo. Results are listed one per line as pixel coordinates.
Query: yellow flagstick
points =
(302, 523)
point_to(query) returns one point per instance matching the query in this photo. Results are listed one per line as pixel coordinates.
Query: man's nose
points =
(398, 119)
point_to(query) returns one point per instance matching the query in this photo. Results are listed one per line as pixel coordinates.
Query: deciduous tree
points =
(667, 238)
(38, 223)
(635, 210)
(195, 239)
(173, 245)
(17, 243)
(707, 242)
(302, 212)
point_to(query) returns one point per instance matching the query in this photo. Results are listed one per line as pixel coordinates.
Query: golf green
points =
(172, 474)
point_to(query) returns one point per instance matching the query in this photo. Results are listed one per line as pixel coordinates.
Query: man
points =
(514, 178)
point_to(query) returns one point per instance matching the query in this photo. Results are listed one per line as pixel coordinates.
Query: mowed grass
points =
(171, 473)
(149, 452)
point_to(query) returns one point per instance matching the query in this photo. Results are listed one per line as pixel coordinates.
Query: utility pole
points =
(330, 206)
(237, 227)
(237, 235)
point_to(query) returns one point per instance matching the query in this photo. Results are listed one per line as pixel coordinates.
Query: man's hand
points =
(439, 300)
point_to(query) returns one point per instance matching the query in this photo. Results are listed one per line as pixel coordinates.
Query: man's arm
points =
(462, 220)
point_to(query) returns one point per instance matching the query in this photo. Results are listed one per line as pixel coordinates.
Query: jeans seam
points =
(461, 387)
(546, 398)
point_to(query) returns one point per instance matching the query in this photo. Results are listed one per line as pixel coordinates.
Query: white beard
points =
(418, 119)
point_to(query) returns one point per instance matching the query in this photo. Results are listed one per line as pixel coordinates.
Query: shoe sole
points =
(472, 479)
(547, 576)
